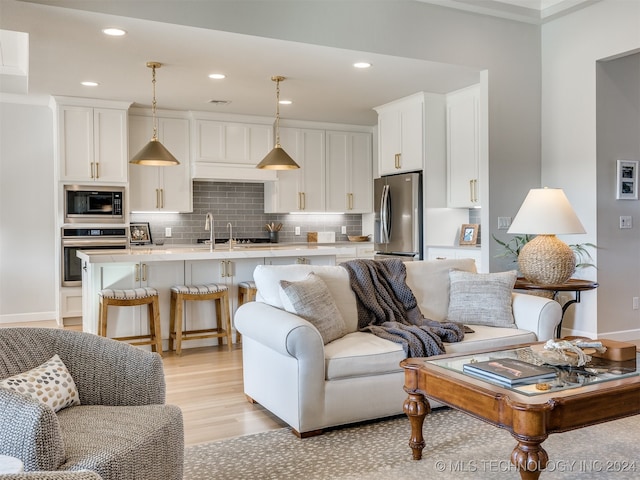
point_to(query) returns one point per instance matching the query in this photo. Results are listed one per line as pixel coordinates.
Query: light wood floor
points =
(206, 383)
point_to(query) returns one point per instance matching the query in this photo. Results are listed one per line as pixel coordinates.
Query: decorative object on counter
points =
(358, 238)
(277, 158)
(154, 154)
(312, 237)
(273, 228)
(627, 180)
(140, 234)
(469, 234)
(546, 212)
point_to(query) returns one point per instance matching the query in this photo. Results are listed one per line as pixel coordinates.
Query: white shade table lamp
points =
(546, 212)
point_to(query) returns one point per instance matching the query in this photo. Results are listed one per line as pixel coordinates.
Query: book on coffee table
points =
(509, 371)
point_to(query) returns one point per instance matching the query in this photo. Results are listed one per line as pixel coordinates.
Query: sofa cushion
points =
(429, 282)
(310, 299)
(50, 383)
(485, 337)
(361, 354)
(481, 298)
(267, 278)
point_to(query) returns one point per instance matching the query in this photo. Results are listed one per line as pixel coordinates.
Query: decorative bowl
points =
(358, 238)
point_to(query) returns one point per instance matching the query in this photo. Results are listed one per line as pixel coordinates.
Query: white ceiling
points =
(66, 46)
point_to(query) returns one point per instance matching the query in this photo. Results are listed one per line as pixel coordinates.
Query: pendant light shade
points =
(277, 158)
(154, 153)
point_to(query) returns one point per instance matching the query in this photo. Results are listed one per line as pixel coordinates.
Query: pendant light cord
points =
(278, 112)
(153, 103)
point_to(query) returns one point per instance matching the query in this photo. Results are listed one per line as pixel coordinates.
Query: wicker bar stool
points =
(131, 298)
(246, 293)
(184, 293)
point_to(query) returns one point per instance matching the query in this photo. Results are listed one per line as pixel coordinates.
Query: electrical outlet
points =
(504, 223)
(297, 230)
(344, 230)
(167, 232)
(636, 303)
(625, 221)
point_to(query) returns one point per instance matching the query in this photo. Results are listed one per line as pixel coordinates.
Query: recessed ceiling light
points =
(217, 76)
(90, 84)
(362, 64)
(114, 32)
(285, 102)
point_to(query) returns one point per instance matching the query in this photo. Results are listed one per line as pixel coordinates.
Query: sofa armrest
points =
(279, 330)
(30, 431)
(537, 314)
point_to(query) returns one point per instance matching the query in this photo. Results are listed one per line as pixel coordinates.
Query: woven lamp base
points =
(546, 260)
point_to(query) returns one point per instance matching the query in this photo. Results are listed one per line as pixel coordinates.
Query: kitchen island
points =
(164, 267)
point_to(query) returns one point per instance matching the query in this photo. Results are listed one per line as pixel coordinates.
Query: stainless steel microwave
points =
(93, 204)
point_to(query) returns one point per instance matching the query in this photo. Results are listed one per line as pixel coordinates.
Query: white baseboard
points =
(621, 336)
(28, 317)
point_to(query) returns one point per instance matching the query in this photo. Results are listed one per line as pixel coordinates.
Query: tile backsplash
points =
(242, 205)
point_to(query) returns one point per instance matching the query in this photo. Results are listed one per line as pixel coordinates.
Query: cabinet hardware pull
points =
(157, 198)
(304, 201)
(299, 201)
(97, 169)
(144, 272)
(398, 160)
(92, 174)
(162, 198)
(137, 275)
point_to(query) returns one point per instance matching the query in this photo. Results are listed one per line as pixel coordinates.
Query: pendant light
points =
(277, 158)
(154, 153)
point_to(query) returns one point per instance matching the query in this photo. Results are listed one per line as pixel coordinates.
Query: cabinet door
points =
(412, 132)
(313, 171)
(110, 145)
(175, 181)
(463, 149)
(75, 137)
(144, 182)
(349, 172)
(390, 140)
(236, 144)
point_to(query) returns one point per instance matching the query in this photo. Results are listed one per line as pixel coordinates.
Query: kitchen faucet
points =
(230, 227)
(208, 225)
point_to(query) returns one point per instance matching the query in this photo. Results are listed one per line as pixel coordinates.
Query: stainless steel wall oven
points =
(74, 239)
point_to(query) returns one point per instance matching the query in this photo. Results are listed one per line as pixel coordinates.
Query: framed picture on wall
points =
(139, 234)
(627, 178)
(469, 234)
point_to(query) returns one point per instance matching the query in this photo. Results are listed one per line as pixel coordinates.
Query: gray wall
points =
(27, 215)
(618, 127)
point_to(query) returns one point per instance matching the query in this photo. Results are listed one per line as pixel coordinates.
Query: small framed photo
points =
(139, 233)
(469, 234)
(627, 178)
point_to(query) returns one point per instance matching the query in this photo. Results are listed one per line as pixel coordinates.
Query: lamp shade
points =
(277, 159)
(546, 211)
(154, 154)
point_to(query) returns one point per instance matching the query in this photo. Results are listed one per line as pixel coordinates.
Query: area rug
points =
(458, 447)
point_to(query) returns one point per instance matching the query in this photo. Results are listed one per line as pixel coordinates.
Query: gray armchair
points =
(121, 430)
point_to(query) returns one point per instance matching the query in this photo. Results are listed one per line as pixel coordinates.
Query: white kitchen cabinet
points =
(224, 150)
(155, 189)
(463, 148)
(92, 142)
(441, 253)
(401, 135)
(349, 174)
(129, 321)
(303, 189)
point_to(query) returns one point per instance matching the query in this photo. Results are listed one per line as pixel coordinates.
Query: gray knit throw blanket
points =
(387, 308)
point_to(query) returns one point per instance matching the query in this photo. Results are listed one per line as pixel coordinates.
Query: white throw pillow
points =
(50, 383)
(310, 298)
(481, 298)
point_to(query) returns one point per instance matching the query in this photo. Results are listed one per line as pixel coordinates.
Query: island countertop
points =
(204, 252)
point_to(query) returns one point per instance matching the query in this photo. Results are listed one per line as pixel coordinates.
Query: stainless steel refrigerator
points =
(398, 216)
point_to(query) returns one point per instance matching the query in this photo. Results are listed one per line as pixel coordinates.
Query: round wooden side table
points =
(575, 285)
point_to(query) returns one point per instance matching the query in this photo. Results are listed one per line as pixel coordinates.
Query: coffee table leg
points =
(416, 407)
(530, 458)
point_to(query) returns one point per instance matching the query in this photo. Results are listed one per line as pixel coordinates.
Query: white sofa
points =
(311, 386)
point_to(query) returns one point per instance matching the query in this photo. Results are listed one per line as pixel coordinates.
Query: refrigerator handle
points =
(385, 215)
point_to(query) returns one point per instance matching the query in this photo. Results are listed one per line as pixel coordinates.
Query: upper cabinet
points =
(91, 140)
(300, 190)
(349, 172)
(226, 150)
(463, 148)
(157, 189)
(401, 135)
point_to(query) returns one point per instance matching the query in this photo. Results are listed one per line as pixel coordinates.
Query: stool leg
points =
(102, 319)
(178, 320)
(154, 325)
(227, 320)
(219, 317)
(172, 320)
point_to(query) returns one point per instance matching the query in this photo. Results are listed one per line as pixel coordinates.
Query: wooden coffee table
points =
(528, 413)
